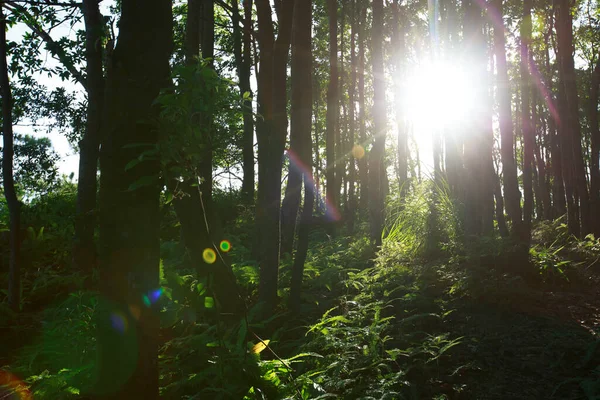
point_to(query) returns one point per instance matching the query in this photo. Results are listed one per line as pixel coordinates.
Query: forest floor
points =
(450, 335)
(516, 342)
(540, 347)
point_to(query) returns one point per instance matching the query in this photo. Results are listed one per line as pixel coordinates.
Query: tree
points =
(527, 126)
(127, 316)
(509, 166)
(243, 57)
(377, 153)
(14, 206)
(84, 249)
(301, 122)
(595, 150)
(331, 132)
(271, 134)
(570, 130)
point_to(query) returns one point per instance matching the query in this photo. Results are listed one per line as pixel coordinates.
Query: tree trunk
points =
(502, 228)
(14, 206)
(398, 46)
(248, 137)
(84, 250)
(363, 168)
(271, 134)
(570, 120)
(301, 122)
(208, 52)
(127, 314)
(332, 116)
(478, 142)
(509, 167)
(526, 123)
(594, 165)
(352, 203)
(377, 154)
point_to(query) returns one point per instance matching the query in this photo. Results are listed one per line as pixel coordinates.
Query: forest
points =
(300, 199)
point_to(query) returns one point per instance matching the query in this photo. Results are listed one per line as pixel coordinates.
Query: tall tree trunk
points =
(398, 46)
(507, 148)
(301, 122)
(478, 144)
(271, 134)
(332, 116)
(208, 52)
(544, 190)
(14, 206)
(248, 137)
(129, 215)
(352, 203)
(363, 168)
(84, 250)
(377, 154)
(526, 123)
(558, 187)
(341, 150)
(570, 120)
(595, 164)
(502, 228)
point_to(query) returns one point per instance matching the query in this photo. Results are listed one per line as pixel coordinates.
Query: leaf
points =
(142, 182)
(132, 163)
(209, 302)
(260, 346)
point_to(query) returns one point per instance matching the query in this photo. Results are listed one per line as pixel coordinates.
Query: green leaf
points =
(142, 182)
(209, 302)
(132, 163)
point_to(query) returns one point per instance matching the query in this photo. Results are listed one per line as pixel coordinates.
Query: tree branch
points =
(43, 3)
(53, 47)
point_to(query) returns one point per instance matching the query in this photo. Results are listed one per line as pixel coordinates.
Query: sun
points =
(439, 94)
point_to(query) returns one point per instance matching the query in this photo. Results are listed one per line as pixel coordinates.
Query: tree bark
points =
(377, 154)
(398, 46)
(244, 75)
(301, 122)
(595, 155)
(512, 195)
(14, 206)
(363, 167)
(208, 53)
(84, 250)
(352, 201)
(526, 123)
(570, 121)
(332, 128)
(478, 141)
(127, 319)
(271, 135)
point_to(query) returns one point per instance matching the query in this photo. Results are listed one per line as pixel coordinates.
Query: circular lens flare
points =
(209, 256)
(358, 151)
(225, 246)
(119, 322)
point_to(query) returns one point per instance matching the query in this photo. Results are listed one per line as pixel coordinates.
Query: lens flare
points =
(358, 151)
(331, 211)
(12, 387)
(135, 311)
(146, 301)
(225, 246)
(155, 295)
(119, 322)
(209, 256)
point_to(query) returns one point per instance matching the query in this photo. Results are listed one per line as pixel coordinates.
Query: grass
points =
(413, 321)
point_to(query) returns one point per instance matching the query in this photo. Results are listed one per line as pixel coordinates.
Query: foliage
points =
(35, 170)
(59, 364)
